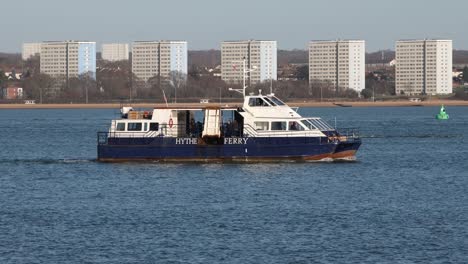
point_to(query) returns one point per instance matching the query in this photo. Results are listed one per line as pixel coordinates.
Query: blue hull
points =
(346, 149)
(234, 149)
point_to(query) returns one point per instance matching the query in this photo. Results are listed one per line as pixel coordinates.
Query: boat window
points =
(308, 124)
(317, 124)
(276, 101)
(321, 125)
(154, 126)
(261, 125)
(295, 126)
(269, 101)
(145, 127)
(278, 125)
(327, 126)
(134, 127)
(120, 127)
(257, 101)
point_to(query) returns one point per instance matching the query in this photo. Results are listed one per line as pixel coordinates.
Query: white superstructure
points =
(262, 115)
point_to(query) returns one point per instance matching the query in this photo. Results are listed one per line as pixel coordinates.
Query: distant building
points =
(159, 59)
(114, 51)
(338, 62)
(424, 67)
(260, 61)
(68, 58)
(30, 49)
(11, 93)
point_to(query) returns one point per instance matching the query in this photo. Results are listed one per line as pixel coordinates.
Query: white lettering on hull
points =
(186, 141)
(227, 141)
(235, 141)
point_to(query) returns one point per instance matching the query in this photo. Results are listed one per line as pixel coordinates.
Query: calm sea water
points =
(405, 200)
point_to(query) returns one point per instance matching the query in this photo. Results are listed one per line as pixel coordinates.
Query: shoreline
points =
(198, 105)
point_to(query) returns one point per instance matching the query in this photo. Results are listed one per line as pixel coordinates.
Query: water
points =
(404, 201)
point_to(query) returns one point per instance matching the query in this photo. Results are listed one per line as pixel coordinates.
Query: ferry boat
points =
(263, 129)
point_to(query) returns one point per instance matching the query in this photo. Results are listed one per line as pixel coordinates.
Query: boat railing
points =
(349, 134)
(195, 132)
(250, 131)
(166, 130)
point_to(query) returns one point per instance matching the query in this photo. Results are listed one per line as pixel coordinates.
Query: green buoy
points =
(442, 114)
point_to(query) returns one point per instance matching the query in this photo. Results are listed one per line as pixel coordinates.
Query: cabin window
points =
(134, 127)
(321, 124)
(120, 126)
(276, 101)
(278, 125)
(261, 125)
(308, 124)
(269, 101)
(295, 126)
(317, 124)
(154, 126)
(257, 101)
(325, 124)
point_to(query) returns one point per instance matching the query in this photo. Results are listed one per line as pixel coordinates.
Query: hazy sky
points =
(205, 23)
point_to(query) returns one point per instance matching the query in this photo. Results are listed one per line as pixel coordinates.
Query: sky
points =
(205, 23)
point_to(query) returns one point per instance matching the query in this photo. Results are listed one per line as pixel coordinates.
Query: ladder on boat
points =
(212, 126)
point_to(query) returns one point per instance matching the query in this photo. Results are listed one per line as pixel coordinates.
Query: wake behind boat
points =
(263, 129)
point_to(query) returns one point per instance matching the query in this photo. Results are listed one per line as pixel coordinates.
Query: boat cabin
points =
(261, 115)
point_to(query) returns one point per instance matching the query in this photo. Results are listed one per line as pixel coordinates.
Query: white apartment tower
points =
(339, 62)
(68, 59)
(158, 58)
(114, 51)
(30, 50)
(423, 67)
(257, 56)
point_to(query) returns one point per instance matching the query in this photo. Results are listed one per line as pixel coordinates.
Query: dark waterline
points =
(404, 201)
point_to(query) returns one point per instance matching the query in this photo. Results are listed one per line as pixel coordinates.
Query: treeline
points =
(10, 61)
(115, 82)
(460, 57)
(212, 58)
(380, 57)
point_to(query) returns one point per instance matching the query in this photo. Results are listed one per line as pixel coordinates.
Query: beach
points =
(294, 103)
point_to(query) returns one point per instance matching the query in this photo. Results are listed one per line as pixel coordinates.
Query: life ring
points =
(171, 123)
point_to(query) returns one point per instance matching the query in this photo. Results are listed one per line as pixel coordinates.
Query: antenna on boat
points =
(165, 98)
(244, 75)
(271, 85)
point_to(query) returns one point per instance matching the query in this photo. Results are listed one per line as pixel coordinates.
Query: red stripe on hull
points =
(231, 159)
(344, 154)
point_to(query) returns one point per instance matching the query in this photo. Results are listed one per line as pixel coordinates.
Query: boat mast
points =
(244, 75)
